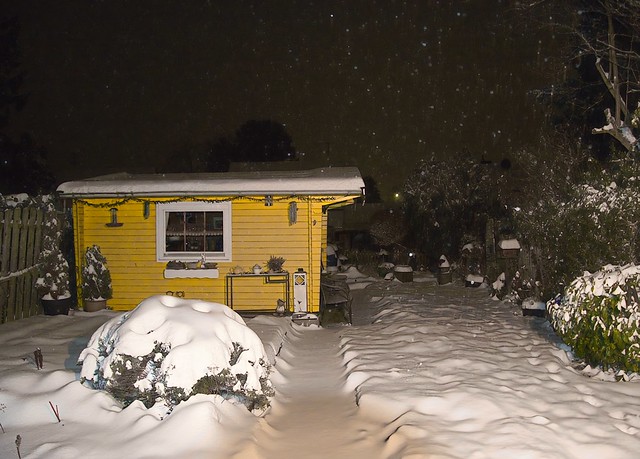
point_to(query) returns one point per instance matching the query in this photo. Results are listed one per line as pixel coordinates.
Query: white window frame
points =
(161, 219)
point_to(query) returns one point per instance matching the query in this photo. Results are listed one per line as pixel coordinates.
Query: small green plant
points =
(274, 264)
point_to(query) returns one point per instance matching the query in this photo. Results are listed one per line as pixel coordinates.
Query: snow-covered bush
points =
(96, 278)
(52, 282)
(168, 349)
(388, 227)
(385, 268)
(498, 287)
(575, 217)
(599, 317)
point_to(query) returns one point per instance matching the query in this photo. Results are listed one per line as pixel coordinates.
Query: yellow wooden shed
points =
(200, 235)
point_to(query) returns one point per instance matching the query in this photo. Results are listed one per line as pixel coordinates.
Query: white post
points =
(300, 291)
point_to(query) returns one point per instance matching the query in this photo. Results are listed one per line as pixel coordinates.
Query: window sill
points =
(191, 273)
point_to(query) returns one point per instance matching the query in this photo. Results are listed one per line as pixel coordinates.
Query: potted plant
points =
(52, 283)
(96, 280)
(274, 264)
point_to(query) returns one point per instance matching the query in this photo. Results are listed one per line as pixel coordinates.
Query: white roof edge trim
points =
(322, 181)
(333, 194)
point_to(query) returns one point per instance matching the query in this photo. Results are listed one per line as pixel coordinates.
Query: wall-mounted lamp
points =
(268, 200)
(114, 219)
(293, 213)
(145, 210)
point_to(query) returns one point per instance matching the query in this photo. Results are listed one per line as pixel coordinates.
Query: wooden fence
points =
(20, 245)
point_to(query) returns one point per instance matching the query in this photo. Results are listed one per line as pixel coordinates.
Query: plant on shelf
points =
(52, 283)
(274, 264)
(96, 279)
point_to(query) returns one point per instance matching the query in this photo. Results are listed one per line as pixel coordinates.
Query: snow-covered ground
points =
(426, 371)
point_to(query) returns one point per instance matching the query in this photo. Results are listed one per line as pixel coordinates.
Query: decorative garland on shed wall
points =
(126, 200)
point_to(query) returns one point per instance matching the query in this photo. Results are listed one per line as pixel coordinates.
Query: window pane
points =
(194, 232)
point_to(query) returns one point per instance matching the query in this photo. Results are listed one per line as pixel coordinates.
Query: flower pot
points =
(94, 305)
(403, 273)
(444, 276)
(60, 306)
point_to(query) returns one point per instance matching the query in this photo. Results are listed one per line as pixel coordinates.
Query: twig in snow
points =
(18, 441)
(38, 356)
(2, 428)
(56, 411)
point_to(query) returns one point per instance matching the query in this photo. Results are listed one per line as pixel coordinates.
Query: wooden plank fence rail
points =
(20, 245)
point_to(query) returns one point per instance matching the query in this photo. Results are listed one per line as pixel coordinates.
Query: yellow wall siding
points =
(315, 247)
(78, 231)
(130, 251)
(258, 232)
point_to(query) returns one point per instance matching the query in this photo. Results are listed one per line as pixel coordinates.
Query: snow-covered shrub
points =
(168, 349)
(96, 278)
(575, 217)
(385, 268)
(52, 282)
(498, 287)
(599, 317)
(472, 258)
(388, 227)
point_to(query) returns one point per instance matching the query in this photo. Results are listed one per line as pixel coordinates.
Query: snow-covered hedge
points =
(168, 349)
(599, 317)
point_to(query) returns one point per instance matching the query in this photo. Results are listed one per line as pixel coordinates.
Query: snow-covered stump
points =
(168, 349)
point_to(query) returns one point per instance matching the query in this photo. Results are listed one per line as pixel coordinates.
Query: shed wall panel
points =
(258, 231)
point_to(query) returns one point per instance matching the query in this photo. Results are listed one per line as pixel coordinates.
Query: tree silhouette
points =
(11, 77)
(263, 140)
(372, 195)
(220, 154)
(254, 141)
(602, 80)
(23, 168)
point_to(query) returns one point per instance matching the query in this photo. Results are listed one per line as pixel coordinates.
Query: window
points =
(186, 230)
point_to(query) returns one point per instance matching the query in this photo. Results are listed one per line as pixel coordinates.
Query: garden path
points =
(313, 415)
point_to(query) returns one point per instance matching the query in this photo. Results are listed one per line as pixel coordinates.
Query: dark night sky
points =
(119, 85)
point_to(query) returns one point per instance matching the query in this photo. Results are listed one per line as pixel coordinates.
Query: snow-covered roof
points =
(326, 180)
